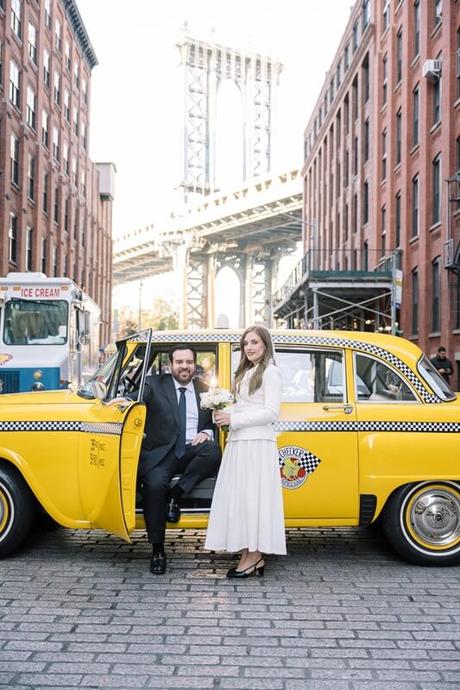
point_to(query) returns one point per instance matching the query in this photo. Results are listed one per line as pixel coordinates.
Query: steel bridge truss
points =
(206, 66)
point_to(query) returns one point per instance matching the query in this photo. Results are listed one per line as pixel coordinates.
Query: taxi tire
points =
(17, 507)
(407, 538)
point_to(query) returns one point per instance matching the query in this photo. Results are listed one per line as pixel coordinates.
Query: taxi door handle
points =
(348, 409)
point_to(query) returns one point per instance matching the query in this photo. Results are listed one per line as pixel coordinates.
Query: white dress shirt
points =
(192, 411)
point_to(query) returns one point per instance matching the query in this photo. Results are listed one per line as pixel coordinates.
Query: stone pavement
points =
(340, 612)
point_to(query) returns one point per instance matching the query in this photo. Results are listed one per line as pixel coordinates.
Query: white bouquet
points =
(216, 399)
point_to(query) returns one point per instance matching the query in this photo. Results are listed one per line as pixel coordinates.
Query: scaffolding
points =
(344, 296)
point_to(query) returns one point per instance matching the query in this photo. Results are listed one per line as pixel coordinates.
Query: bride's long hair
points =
(268, 358)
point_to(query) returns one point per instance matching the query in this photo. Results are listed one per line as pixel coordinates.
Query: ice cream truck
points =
(49, 333)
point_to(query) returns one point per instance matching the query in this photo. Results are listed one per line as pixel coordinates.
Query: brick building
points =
(55, 204)
(382, 180)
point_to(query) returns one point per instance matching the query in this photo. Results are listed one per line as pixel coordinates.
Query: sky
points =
(137, 90)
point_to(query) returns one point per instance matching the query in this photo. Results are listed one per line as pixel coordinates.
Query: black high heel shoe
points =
(247, 572)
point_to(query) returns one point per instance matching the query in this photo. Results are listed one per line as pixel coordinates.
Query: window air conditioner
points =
(449, 259)
(431, 69)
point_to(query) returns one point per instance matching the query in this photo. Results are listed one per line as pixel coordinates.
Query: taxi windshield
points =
(434, 379)
(35, 322)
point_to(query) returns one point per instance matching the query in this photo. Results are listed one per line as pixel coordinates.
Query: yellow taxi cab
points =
(368, 430)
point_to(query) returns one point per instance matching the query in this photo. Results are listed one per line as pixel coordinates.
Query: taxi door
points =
(110, 449)
(317, 437)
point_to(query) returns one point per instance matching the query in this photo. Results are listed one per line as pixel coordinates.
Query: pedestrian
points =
(247, 506)
(443, 364)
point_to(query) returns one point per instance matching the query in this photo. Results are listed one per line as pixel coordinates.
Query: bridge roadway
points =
(261, 220)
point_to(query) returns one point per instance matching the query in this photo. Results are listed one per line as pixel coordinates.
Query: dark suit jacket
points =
(162, 423)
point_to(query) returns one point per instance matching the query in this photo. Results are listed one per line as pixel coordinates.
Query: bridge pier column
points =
(180, 260)
(257, 285)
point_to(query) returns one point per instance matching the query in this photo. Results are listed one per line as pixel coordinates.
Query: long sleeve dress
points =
(247, 505)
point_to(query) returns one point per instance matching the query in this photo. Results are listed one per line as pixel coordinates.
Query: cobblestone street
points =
(341, 612)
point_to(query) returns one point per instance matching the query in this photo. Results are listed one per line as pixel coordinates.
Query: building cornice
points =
(81, 34)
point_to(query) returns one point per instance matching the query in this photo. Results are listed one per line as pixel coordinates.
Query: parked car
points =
(368, 430)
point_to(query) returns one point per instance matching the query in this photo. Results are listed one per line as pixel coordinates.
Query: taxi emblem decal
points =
(296, 464)
(4, 359)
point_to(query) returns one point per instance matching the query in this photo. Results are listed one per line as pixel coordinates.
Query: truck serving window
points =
(35, 322)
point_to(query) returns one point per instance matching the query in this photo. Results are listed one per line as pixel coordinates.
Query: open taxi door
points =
(110, 447)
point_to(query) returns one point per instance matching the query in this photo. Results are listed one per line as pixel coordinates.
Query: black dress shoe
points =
(172, 511)
(158, 564)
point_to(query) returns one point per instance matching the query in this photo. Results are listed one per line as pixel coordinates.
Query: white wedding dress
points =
(247, 505)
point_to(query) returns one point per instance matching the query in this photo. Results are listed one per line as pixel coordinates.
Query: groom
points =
(179, 438)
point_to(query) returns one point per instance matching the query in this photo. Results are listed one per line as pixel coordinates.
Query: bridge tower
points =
(206, 66)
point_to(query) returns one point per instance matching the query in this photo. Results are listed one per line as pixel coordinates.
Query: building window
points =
(415, 116)
(346, 171)
(48, 14)
(366, 141)
(14, 84)
(16, 17)
(83, 183)
(346, 223)
(384, 79)
(1, 62)
(436, 86)
(346, 57)
(56, 205)
(84, 90)
(416, 28)
(399, 55)
(386, 15)
(57, 88)
(54, 260)
(436, 189)
(384, 154)
(355, 37)
(14, 159)
(366, 202)
(67, 105)
(383, 230)
(355, 213)
(365, 14)
(415, 207)
(398, 220)
(414, 320)
(46, 69)
(58, 35)
(29, 248)
(68, 62)
(43, 255)
(76, 73)
(45, 133)
(437, 12)
(45, 192)
(12, 238)
(65, 156)
(32, 42)
(398, 136)
(56, 152)
(365, 79)
(67, 214)
(354, 98)
(31, 177)
(365, 256)
(346, 113)
(84, 137)
(436, 294)
(30, 110)
(75, 120)
(458, 63)
(355, 155)
(74, 171)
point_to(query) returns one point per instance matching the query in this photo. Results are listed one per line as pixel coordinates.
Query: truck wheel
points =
(16, 509)
(422, 522)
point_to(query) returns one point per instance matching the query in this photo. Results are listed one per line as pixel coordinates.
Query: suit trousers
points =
(198, 463)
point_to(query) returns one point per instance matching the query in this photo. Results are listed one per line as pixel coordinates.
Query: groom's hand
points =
(201, 437)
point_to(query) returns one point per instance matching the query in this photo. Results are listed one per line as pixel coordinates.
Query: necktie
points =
(180, 443)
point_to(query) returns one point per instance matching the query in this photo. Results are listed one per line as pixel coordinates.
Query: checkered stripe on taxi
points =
(418, 427)
(279, 339)
(106, 428)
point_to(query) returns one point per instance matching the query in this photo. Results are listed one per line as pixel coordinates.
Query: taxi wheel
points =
(16, 509)
(422, 523)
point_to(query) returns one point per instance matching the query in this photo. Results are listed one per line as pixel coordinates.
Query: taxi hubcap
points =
(435, 516)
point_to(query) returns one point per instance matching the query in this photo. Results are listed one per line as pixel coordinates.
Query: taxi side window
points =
(205, 365)
(312, 375)
(377, 382)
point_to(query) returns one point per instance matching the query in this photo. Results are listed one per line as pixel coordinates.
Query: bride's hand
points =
(222, 418)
